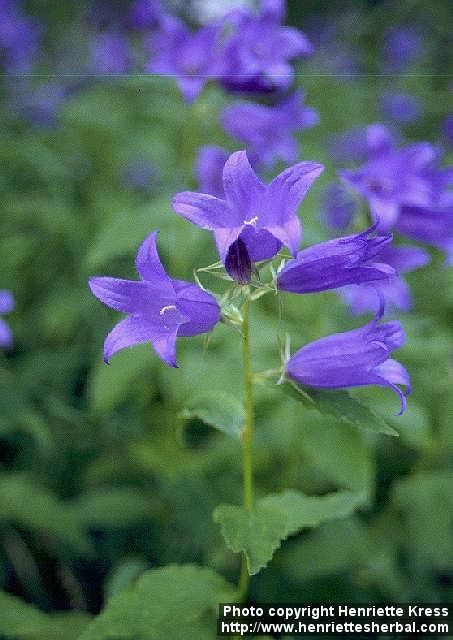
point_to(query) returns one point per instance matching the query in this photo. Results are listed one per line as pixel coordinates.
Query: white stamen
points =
(252, 221)
(169, 307)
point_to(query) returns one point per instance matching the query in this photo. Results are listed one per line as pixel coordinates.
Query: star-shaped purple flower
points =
(262, 217)
(191, 57)
(393, 178)
(258, 52)
(268, 132)
(354, 259)
(357, 358)
(6, 305)
(159, 308)
(394, 291)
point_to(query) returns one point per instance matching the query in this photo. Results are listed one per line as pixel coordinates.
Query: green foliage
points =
(98, 481)
(21, 621)
(112, 508)
(259, 532)
(342, 406)
(222, 411)
(165, 603)
(33, 508)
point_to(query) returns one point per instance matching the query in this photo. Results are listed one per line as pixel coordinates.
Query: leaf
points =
(123, 576)
(171, 602)
(112, 508)
(222, 411)
(341, 406)
(22, 621)
(259, 532)
(24, 503)
(426, 500)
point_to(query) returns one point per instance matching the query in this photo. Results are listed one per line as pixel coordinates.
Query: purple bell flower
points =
(356, 358)
(192, 58)
(208, 169)
(400, 107)
(338, 208)
(110, 53)
(395, 291)
(268, 131)
(393, 178)
(6, 305)
(262, 216)
(159, 308)
(335, 263)
(258, 52)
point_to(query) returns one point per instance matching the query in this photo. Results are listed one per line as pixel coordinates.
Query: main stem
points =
(247, 436)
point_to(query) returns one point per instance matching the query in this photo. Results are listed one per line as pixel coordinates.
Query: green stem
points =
(247, 436)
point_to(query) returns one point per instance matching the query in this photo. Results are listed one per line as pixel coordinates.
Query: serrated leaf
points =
(22, 621)
(221, 411)
(172, 602)
(260, 531)
(342, 406)
(24, 503)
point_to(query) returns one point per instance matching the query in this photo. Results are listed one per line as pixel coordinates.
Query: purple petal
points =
(130, 296)
(294, 43)
(6, 301)
(224, 239)
(385, 212)
(242, 187)
(237, 262)
(191, 87)
(273, 10)
(198, 306)
(208, 170)
(286, 192)
(6, 336)
(130, 331)
(367, 297)
(207, 212)
(165, 347)
(392, 374)
(289, 233)
(261, 245)
(405, 259)
(148, 263)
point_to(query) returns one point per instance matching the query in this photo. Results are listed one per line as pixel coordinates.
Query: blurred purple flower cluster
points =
(20, 37)
(407, 191)
(244, 50)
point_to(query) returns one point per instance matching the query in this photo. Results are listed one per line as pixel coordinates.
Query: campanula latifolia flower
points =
(159, 308)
